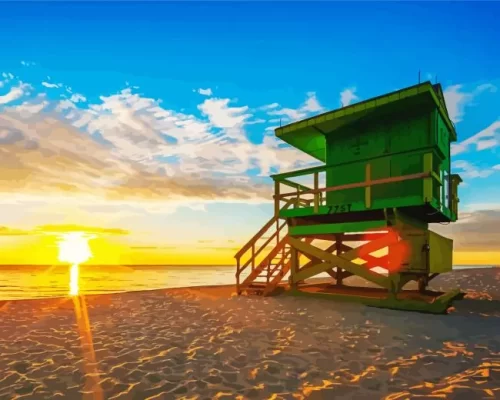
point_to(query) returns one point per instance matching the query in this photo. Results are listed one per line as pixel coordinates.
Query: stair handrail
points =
(251, 243)
(268, 258)
(241, 268)
(264, 229)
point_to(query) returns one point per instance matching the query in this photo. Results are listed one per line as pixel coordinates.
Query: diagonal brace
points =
(343, 261)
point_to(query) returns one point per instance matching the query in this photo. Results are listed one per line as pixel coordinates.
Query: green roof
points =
(309, 134)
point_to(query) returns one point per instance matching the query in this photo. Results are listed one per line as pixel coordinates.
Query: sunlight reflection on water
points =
(37, 282)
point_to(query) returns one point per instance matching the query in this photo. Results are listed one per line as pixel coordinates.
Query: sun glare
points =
(74, 248)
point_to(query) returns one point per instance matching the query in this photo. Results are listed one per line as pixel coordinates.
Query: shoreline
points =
(92, 295)
(111, 293)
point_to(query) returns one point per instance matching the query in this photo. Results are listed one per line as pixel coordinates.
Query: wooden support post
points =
(428, 167)
(338, 247)
(276, 198)
(253, 256)
(316, 194)
(238, 266)
(297, 201)
(294, 267)
(368, 188)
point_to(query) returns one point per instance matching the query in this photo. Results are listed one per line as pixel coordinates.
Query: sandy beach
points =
(206, 343)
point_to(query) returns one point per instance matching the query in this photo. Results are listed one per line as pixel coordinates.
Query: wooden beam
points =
(338, 247)
(371, 261)
(427, 190)
(367, 248)
(293, 184)
(316, 195)
(294, 268)
(313, 261)
(330, 259)
(349, 237)
(394, 179)
(261, 232)
(368, 189)
(321, 266)
(276, 199)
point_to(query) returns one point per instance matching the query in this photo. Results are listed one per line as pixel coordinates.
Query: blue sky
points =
(113, 71)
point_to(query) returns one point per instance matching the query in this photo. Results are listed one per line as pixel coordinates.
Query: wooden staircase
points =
(269, 261)
(268, 256)
(266, 277)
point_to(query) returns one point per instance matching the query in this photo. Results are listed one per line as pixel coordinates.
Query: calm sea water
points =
(38, 282)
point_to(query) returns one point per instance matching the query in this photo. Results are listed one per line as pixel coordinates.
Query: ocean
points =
(29, 282)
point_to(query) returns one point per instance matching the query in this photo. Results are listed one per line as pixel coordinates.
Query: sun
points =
(74, 248)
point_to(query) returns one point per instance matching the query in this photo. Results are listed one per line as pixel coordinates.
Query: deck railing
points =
(307, 196)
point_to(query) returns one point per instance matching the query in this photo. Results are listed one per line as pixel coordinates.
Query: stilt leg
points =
(294, 267)
(422, 284)
(338, 246)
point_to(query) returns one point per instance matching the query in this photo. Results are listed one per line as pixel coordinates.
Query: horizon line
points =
(117, 265)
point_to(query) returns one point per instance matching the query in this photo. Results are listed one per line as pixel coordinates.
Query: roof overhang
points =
(309, 135)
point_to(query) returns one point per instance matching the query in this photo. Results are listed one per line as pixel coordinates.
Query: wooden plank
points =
(349, 237)
(371, 261)
(276, 199)
(427, 182)
(268, 241)
(382, 181)
(294, 266)
(305, 230)
(321, 266)
(263, 264)
(293, 184)
(261, 232)
(374, 245)
(329, 260)
(338, 247)
(316, 195)
(368, 189)
(315, 260)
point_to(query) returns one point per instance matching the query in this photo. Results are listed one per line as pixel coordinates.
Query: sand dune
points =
(204, 343)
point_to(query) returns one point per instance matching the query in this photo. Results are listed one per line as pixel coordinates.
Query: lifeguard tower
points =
(386, 177)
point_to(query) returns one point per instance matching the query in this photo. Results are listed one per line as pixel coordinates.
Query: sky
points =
(152, 124)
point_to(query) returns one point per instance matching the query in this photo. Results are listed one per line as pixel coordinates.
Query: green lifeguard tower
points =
(386, 177)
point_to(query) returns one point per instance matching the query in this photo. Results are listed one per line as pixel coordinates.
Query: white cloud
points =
(347, 96)
(311, 105)
(457, 100)
(14, 93)
(269, 106)
(485, 139)
(51, 85)
(27, 109)
(205, 92)
(75, 98)
(127, 146)
(469, 170)
(221, 115)
(28, 63)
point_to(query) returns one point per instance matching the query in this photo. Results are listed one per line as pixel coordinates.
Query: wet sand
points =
(206, 343)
